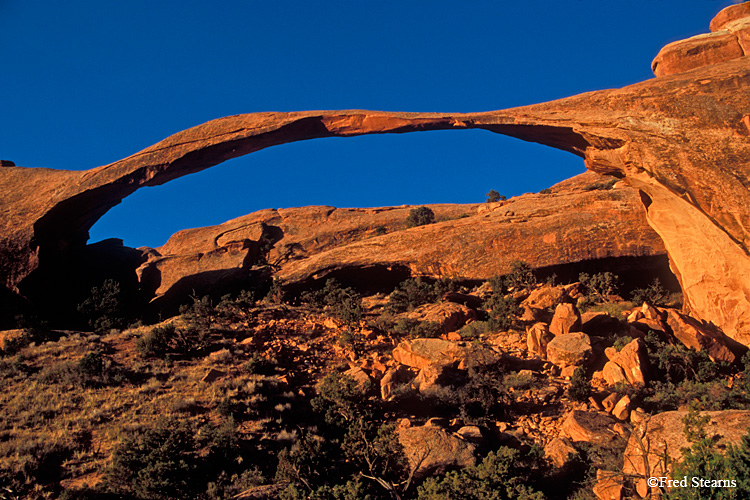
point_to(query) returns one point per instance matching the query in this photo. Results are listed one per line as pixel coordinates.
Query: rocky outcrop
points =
(662, 436)
(566, 319)
(700, 337)
(560, 451)
(374, 245)
(433, 450)
(537, 338)
(421, 353)
(569, 349)
(589, 427)
(729, 39)
(628, 365)
(449, 316)
(681, 139)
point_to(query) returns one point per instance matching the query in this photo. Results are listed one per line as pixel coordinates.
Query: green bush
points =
(417, 329)
(344, 303)
(410, 294)
(104, 308)
(474, 329)
(92, 370)
(580, 387)
(420, 216)
(703, 460)
(599, 287)
(655, 294)
(494, 196)
(503, 311)
(156, 343)
(520, 277)
(505, 474)
(159, 463)
(162, 341)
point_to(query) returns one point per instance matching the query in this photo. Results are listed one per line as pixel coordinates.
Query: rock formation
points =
(681, 139)
(474, 243)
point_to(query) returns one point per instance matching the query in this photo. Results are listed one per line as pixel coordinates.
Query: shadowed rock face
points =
(683, 140)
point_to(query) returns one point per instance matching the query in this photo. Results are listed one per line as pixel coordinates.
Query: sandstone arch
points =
(683, 139)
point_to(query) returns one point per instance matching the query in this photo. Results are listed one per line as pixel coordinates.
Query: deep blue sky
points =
(87, 83)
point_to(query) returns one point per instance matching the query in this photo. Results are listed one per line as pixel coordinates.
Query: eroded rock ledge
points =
(683, 140)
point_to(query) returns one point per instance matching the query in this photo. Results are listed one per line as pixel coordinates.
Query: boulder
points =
(537, 338)
(471, 433)
(212, 375)
(560, 451)
(629, 364)
(570, 349)
(621, 411)
(433, 450)
(566, 319)
(394, 378)
(663, 435)
(545, 297)
(361, 377)
(609, 402)
(449, 315)
(589, 426)
(700, 337)
(419, 353)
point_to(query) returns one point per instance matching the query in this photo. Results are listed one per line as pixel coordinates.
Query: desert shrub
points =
(655, 294)
(686, 376)
(505, 474)
(351, 340)
(494, 196)
(32, 468)
(380, 230)
(417, 329)
(503, 311)
(157, 463)
(344, 303)
(704, 461)
(420, 216)
(546, 191)
(233, 308)
(104, 308)
(365, 447)
(276, 293)
(580, 387)
(163, 341)
(226, 487)
(411, 293)
(478, 393)
(94, 369)
(258, 365)
(520, 277)
(201, 313)
(156, 343)
(599, 287)
(13, 345)
(474, 329)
